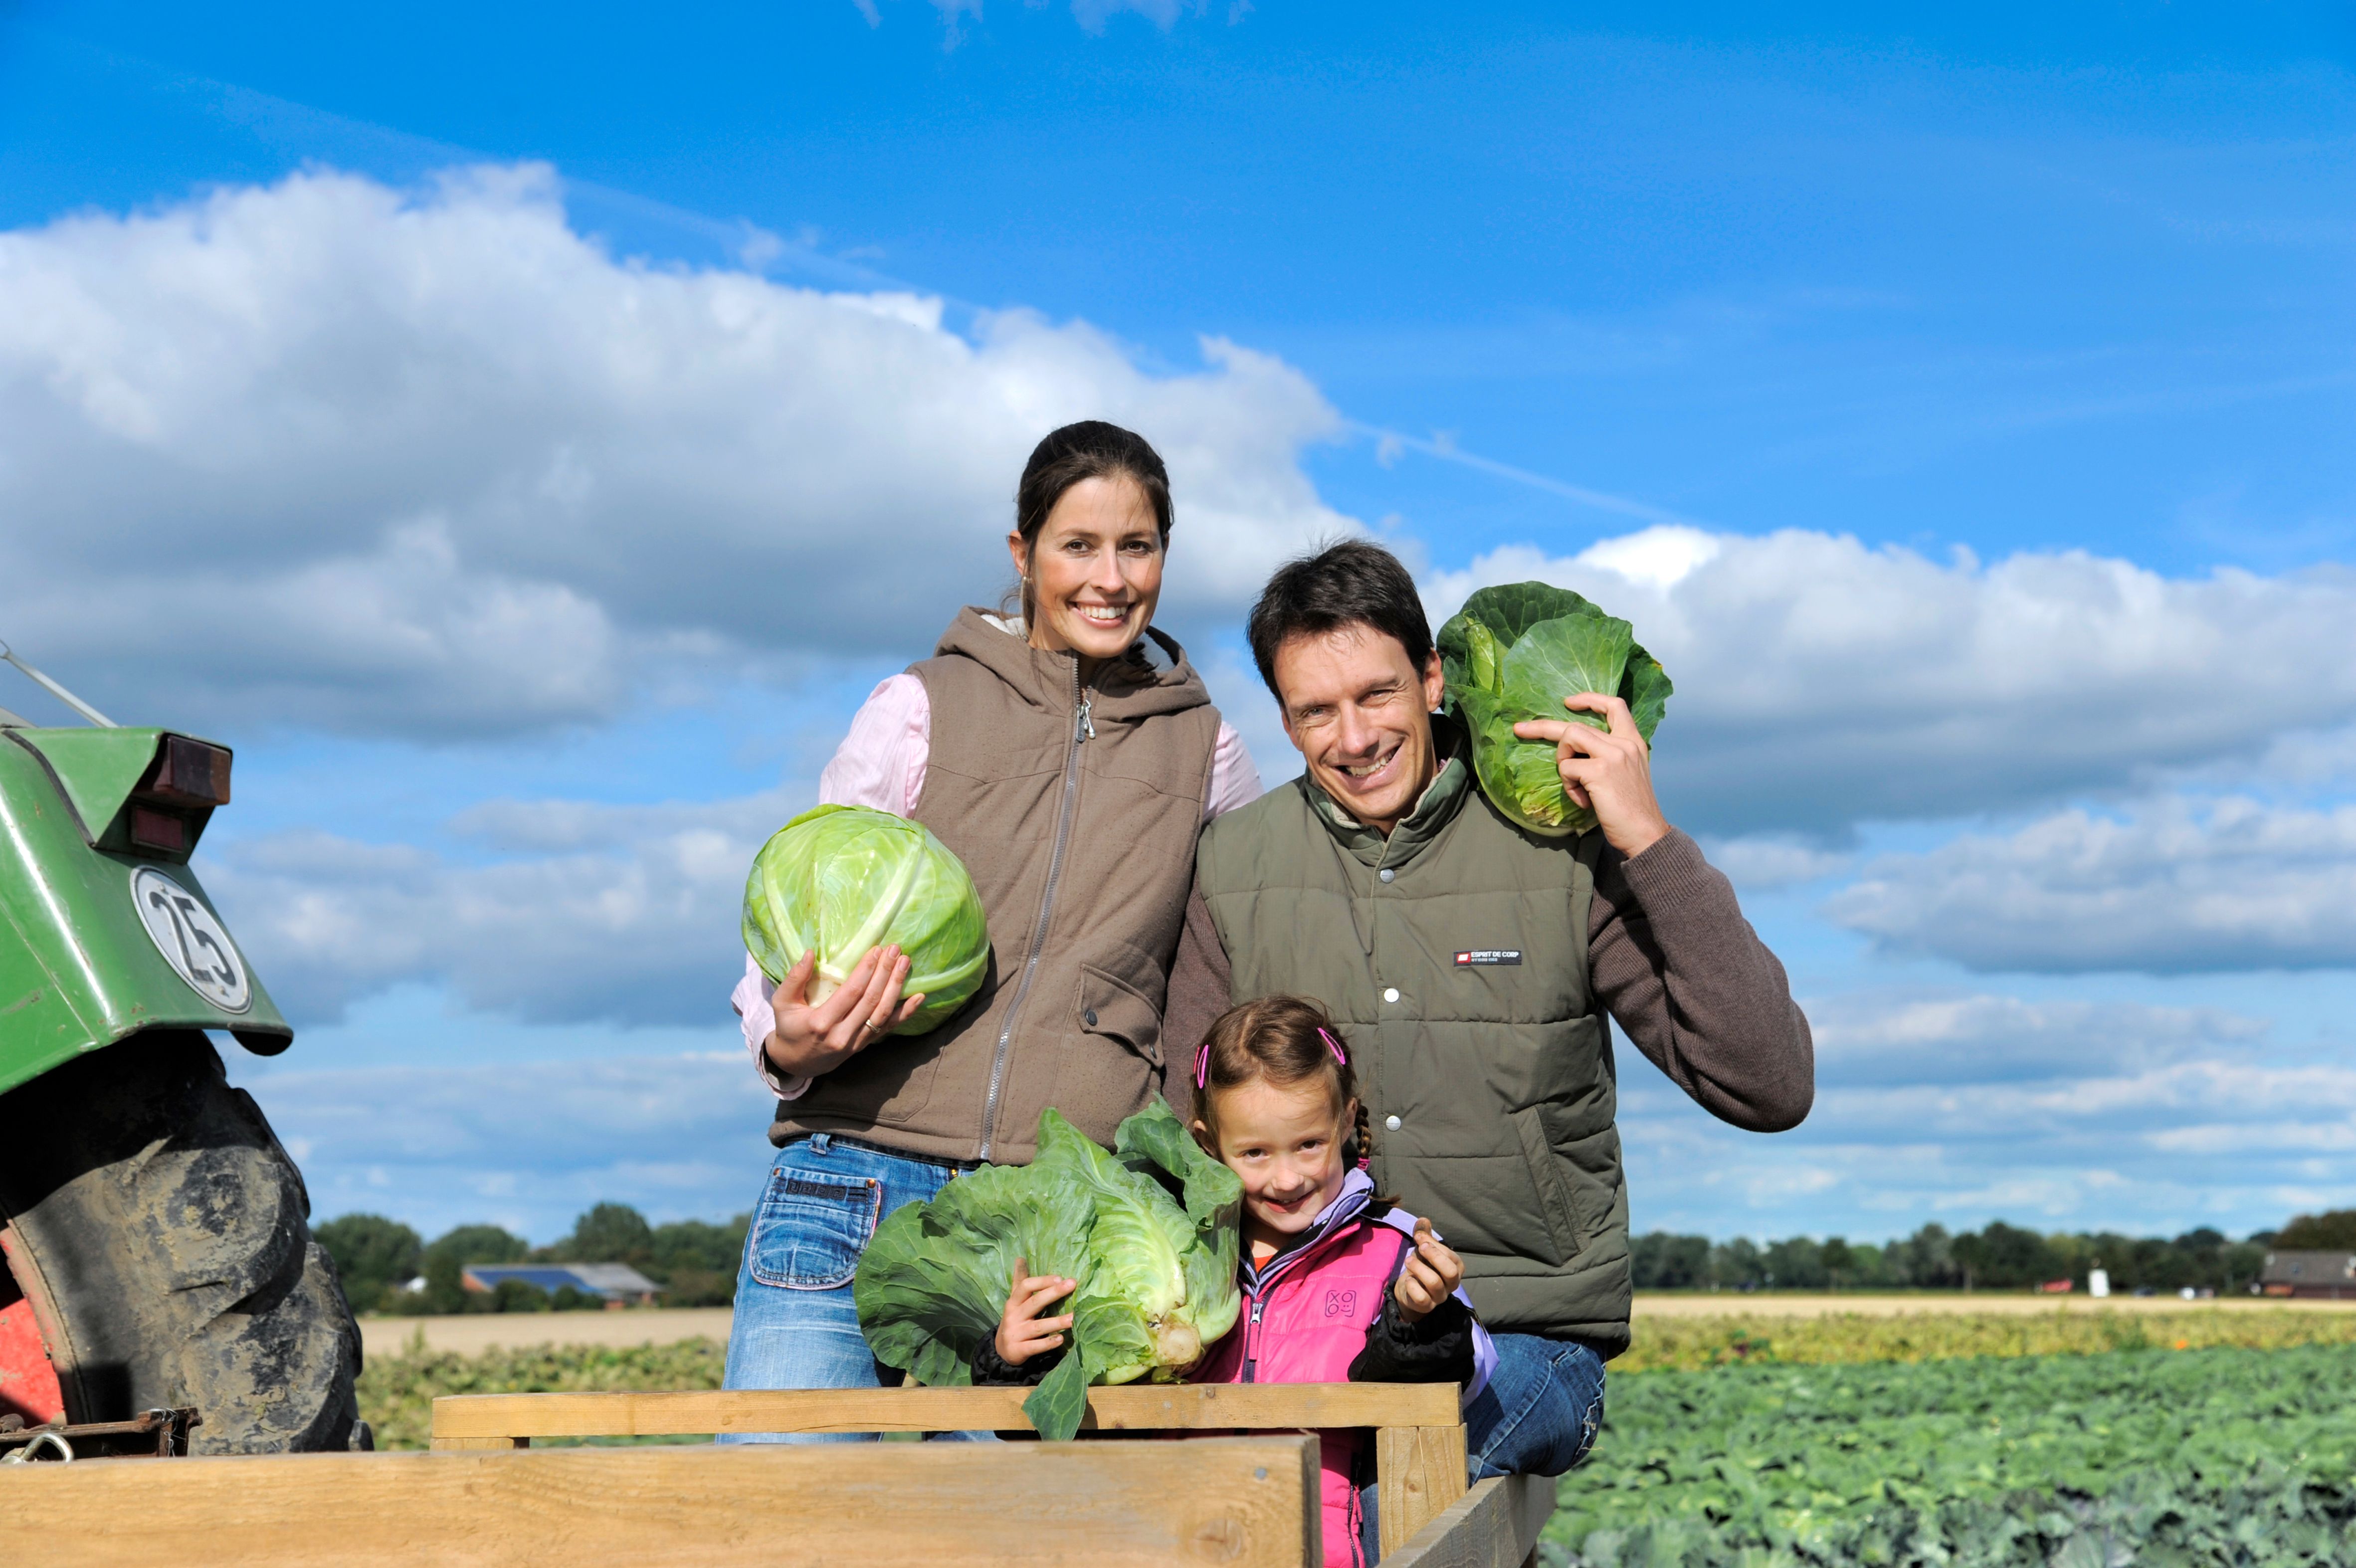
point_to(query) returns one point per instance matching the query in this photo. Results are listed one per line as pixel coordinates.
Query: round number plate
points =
(191, 941)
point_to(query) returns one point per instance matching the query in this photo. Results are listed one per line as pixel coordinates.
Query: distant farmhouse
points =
(620, 1284)
(2326, 1277)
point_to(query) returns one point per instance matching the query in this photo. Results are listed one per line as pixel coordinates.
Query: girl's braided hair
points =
(1286, 1040)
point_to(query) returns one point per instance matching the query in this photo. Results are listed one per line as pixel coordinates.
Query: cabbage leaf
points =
(1513, 653)
(1148, 1232)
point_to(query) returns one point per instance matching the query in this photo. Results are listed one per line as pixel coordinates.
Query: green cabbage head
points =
(843, 879)
(1514, 653)
(1148, 1231)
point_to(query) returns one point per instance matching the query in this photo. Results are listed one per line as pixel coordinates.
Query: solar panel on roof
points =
(550, 1280)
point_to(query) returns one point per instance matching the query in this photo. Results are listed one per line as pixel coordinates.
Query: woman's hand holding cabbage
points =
(815, 1037)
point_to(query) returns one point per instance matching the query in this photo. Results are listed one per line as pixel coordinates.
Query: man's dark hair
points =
(1349, 584)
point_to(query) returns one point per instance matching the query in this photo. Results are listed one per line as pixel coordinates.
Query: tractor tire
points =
(162, 1237)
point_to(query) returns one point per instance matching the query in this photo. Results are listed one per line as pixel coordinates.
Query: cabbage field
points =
(2152, 1457)
(2062, 1440)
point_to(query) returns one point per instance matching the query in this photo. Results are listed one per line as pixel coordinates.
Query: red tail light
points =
(158, 831)
(188, 773)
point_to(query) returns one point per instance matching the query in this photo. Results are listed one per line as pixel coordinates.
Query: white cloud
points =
(1821, 682)
(2086, 1112)
(1764, 862)
(526, 1146)
(2170, 886)
(1091, 15)
(2225, 1141)
(592, 912)
(434, 462)
(1865, 1040)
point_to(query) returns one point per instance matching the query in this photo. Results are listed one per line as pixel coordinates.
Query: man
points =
(1474, 962)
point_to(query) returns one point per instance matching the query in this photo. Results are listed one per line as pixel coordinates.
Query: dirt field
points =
(470, 1336)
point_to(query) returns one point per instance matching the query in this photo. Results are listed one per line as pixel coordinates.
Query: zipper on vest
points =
(1083, 728)
(1251, 1334)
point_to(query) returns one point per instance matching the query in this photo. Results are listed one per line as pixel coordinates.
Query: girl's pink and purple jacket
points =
(1315, 1314)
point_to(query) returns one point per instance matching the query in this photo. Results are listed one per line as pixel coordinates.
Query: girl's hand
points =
(811, 1040)
(1022, 1332)
(1432, 1271)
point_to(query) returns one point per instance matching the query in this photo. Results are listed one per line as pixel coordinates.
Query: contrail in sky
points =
(1388, 442)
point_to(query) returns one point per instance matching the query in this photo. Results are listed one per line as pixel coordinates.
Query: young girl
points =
(1338, 1285)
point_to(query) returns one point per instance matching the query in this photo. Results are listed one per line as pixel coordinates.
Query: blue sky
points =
(526, 437)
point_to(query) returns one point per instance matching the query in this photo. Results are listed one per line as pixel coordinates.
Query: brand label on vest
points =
(1476, 958)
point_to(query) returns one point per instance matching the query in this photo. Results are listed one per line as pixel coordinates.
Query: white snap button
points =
(1390, 993)
(1391, 1123)
(1388, 873)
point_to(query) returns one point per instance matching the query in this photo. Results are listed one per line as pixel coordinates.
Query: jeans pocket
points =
(812, 1227)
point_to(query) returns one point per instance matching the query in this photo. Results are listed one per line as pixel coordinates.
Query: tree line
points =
(693, 1261)
(1997, 1257)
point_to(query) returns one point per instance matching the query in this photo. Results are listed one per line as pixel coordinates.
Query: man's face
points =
(1361, 714)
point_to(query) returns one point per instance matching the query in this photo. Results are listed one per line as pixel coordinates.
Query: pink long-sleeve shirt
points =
(881, 763)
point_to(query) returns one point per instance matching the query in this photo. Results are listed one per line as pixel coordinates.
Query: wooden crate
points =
(1246, 1501)
(1419, 1433)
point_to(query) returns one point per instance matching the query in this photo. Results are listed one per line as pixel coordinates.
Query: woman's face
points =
(1094, 569)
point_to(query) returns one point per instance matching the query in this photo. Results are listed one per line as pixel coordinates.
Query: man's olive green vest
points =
(1455, 952)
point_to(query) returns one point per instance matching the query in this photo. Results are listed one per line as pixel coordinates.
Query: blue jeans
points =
(1538, 1416)
(795, 1326)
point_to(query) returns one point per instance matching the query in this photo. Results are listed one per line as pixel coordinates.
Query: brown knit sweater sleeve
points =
(1200, 977)
(1680, 968)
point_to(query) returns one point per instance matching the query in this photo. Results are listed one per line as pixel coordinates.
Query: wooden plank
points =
(1247, 1502)
(1131, 1407)
(1494, 1525)
(1420, 1471)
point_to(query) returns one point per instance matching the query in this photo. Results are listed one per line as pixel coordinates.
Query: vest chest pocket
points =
(1115, 1010)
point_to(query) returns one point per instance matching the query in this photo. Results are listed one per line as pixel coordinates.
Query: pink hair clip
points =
(1203, 1058)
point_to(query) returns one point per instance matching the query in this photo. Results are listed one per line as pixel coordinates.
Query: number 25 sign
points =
(190, 939)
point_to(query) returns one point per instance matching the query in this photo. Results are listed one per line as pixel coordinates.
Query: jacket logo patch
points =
(1341, 1303)
(1480, 958)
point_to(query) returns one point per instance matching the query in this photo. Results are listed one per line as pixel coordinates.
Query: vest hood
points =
(1152, 680)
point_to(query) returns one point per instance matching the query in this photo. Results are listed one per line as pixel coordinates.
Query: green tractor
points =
(157, 1235)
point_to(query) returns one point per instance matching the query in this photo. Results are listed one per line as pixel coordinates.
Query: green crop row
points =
(2223, 1456)
(397, 1392)
(1686, 1344)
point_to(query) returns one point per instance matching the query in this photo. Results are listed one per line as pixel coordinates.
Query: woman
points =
(1069, 756)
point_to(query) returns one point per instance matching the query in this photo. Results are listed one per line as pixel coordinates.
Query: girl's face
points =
(1285, 1140)
(1095, 569)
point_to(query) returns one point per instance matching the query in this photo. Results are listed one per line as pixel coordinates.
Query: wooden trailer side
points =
(1248, 1502)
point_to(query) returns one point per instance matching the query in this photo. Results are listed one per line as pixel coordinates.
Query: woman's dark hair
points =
(1286, 1040)
(1091, 449)
(1349, 584)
